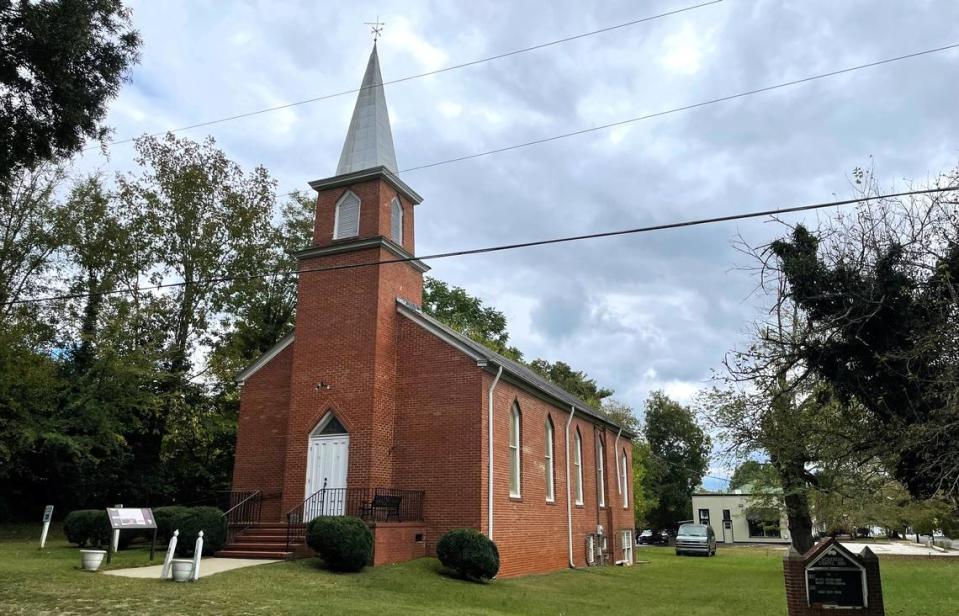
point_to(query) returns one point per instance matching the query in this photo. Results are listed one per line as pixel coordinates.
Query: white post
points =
(47, 515)
(165, 572)
(197, 553)
(116, 540)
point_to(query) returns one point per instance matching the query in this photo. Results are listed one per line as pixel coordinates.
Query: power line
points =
(672, 111)
(446, 69)
(502, 247)
(685, 108)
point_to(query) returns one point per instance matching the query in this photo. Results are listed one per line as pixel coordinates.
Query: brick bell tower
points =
(340, 430)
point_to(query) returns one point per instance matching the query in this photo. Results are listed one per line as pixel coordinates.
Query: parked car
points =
(696, 539)
(650, 537)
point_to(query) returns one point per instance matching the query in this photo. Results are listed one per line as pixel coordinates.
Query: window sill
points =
(551, 502)
(580, 506)
(516, 499)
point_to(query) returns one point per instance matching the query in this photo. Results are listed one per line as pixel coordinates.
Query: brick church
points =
(373, 408)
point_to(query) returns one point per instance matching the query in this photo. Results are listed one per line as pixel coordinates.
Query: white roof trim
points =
(264, 359)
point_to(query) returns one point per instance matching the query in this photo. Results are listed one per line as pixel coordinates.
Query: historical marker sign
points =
(123, 518)
(129, 518)
(835, 578)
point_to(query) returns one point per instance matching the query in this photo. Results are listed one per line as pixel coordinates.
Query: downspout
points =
(619, 479)
(569, 496)
(489, 476)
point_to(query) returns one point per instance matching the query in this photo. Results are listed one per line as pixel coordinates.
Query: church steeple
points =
(369, 140)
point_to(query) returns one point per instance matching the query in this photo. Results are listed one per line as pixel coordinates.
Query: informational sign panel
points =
(123, 518)
(47, 513)
(835, 579)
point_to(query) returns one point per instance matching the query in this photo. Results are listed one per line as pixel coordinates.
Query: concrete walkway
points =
(899, 548)
(208, 566)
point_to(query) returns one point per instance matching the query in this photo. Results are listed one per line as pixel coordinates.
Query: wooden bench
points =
(383, 502)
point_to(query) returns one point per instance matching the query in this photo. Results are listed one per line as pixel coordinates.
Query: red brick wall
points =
(261, 432)
(375, 214)
(346, 338)
(396, 542)
(531, 533)
(438, 429)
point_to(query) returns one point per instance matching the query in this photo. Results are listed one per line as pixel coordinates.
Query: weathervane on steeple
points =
(376, 28)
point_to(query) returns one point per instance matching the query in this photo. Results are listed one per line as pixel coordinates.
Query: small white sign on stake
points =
(47, 516)
(165, 573)
(197, 553)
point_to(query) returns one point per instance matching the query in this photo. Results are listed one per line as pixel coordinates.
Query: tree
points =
(466, 314)
(32, 229)
(209, 225)
(879, 291)
(753, 473)
(677, 460)
(573, 381)
(62, 62)
(642, 503)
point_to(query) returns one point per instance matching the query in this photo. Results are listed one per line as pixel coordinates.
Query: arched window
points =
(514, 439)
(600, 468)
(624, 474)
(347, 219)
(548, 447)
(396, 221)
(578, 464)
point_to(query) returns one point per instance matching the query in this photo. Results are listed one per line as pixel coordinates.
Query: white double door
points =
(327, 461)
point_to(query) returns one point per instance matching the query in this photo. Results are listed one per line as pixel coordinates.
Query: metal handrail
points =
(245, 513)
(400, 506)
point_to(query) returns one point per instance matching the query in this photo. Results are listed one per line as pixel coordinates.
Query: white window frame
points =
(515, 474)
(336, 215)
(548, 454)
(600, 471)
(625, 474)
(578, 463)
(396, 221)
(627, 539)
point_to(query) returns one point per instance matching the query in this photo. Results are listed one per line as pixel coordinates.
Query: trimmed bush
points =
(91, 528)
(469, 553)
(344, 543)
(190, 521)
(165, 518)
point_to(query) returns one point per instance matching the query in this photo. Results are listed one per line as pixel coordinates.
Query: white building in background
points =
(735, 521)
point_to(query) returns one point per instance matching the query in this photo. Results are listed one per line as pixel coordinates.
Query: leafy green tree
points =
(468, 315)
(62, 61)
(261, 310)
(879, 292)
(677, 460)
(753, 472)
(573, 381)
(642, 502)
(210, 225)
(33, 227)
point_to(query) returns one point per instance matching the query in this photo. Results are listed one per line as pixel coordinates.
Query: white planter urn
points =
(90, 560)
(182, 569)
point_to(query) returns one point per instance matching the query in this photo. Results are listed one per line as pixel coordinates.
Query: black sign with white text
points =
(835, 579)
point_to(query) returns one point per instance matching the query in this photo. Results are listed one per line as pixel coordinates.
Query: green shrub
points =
(344, 543)
(165, 517)
(190, 521)
(91, 528)
(469, 553)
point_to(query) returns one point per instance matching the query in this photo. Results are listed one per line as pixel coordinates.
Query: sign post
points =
(126, 518)
(47, 516)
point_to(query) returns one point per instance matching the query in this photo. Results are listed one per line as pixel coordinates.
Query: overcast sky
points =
(637, 313)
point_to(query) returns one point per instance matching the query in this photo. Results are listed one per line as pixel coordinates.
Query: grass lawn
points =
(739, 582)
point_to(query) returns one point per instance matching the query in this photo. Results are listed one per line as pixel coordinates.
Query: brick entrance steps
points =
(263, 540)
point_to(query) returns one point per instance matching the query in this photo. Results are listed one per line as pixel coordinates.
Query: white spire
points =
(369, 141)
